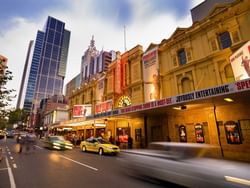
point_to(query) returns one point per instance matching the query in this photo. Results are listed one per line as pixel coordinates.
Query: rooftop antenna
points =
(125, 47)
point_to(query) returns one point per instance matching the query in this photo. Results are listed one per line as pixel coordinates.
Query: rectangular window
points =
(189, 56)
(225, 40)
(86, 70)
(182, 57)
(174, 61)
(235, 36)
(213, 45)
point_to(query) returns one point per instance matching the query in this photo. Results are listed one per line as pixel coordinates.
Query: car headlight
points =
(56, 144)
(68, 144)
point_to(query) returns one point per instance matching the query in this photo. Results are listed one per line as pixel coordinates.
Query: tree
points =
(5, 94)
(18, 116)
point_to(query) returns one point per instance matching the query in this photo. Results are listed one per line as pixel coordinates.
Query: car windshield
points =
(56, 138)
(102, 141)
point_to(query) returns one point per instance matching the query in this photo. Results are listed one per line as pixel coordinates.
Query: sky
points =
(146, 21)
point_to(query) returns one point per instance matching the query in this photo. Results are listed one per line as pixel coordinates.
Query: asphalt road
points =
(43, 168)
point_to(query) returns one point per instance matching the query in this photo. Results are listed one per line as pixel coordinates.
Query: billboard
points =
(151, 75)
(240, 62)
(103, 106)
(82, 110)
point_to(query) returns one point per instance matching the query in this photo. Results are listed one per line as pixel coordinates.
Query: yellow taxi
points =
(99, 145)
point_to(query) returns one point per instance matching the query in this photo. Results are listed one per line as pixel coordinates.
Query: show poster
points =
(151, 75)
(182, 133)
(232, 132)
(82, 110)
(199, 133)
(240, 62)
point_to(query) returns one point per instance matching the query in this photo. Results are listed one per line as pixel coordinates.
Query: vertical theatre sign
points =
(240, 62)
(151, 75)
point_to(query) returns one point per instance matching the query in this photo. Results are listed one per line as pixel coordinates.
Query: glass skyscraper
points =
(46, 72)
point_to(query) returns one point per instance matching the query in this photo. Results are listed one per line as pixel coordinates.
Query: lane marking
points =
(11, 177)
(237, 180)
(11, 158)
(14, 165)
(3, 168)
(85, 165)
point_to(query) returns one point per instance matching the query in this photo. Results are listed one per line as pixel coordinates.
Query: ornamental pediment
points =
(178, 32)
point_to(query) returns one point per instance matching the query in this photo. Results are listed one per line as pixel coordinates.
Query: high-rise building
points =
(45, 70)
(24, 81)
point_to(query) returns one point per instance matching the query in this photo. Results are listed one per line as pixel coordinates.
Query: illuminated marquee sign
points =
(82, 110)
(103, 107)
(236, 87)
(124, 101)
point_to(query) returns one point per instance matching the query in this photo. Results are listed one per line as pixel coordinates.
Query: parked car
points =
(57, 142)
(183, 164)
(99, 145)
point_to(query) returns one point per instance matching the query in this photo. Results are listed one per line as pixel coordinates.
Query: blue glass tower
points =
(48, 66)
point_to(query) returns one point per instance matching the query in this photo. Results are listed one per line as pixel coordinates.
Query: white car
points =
(182, 164)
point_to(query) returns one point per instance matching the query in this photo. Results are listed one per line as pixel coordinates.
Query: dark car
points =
(183, 164)
(10, 134)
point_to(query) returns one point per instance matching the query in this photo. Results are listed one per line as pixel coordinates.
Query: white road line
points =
(11, 157)
(238, 180)
(79, 163)
(3, 168)
(12, 181)
(14, 165)
(38, 147)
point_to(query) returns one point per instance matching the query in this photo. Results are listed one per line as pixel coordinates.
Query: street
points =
(42, 167)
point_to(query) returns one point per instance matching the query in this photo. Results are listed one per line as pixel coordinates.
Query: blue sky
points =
(146, 21)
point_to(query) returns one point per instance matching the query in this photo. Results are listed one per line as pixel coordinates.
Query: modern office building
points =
(24, 81)
(45, 71)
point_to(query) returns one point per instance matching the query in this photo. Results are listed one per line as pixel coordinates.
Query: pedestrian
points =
(111, 140)
(130, 142)
(117, 142)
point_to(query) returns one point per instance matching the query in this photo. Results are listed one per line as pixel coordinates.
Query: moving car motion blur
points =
(99, 145)
(185, 164)
(57, 142)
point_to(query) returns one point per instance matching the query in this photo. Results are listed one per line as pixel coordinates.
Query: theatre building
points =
(193, 87)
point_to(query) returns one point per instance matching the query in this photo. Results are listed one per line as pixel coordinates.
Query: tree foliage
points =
(5, 93)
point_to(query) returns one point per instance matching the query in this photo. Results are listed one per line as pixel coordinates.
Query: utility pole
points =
(125, 47)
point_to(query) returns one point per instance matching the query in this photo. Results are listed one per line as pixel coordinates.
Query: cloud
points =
(146, 22)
